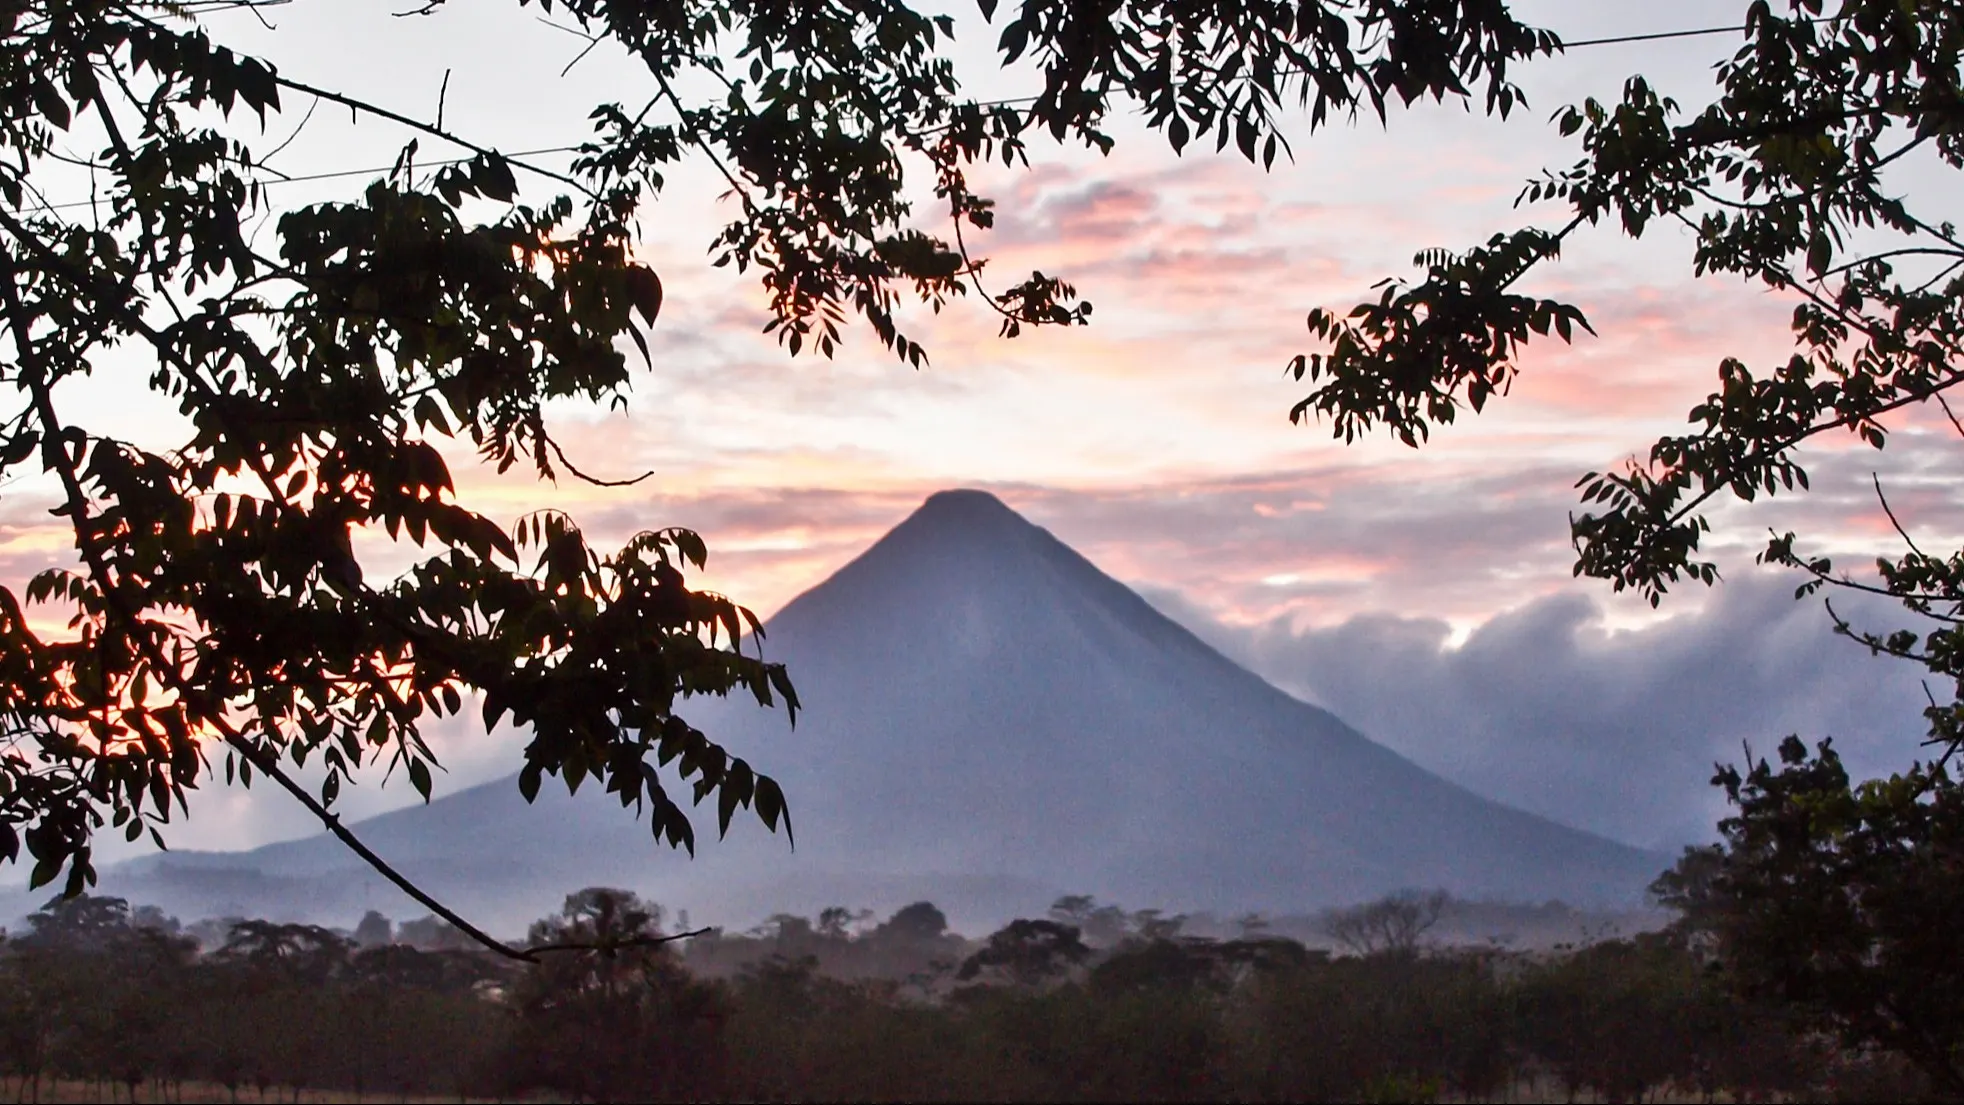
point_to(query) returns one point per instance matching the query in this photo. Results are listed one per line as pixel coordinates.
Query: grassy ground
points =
(71, 1092)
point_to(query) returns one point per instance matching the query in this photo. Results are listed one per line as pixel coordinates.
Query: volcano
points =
(990, 722)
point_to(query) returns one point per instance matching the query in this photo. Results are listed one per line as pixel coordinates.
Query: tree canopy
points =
(1828, 897)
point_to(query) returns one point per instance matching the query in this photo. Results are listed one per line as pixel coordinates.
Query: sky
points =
(1425, 596)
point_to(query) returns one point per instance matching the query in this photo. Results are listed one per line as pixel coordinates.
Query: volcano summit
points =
(990, 722)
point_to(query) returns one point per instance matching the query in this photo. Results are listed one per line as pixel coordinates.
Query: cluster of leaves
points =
(1784, 181)
(217, 599)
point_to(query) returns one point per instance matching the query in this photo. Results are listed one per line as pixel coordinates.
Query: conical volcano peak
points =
(965, 506)
(963, 518)
(960, 548)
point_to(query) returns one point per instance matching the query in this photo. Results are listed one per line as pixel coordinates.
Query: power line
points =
(335, 175)
(1655, 36)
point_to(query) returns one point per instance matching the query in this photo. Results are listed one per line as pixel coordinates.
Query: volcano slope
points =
(989, 721)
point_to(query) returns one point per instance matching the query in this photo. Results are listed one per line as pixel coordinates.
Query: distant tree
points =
(610, 1014)
(1154, 924)
(1026, 953)
(1102, 926)
(1618, 1017)
(433, 934)
(836, 922)
(1393, 925)
(397, 967)
(1160, 964)
(791, 935)
(153, 917)
(81, 922)
(920, 922)
(1686, 888)
(374, 931)
(1253, 924)
(211, 933)
(288, 953)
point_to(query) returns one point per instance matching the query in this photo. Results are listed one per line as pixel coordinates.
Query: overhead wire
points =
(283, 178)
(1654, 36)
(1651, 37)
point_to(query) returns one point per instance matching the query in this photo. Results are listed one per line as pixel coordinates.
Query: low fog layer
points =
(1616, 732)
(991, 722)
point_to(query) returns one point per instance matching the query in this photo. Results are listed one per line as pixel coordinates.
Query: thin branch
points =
(1955, 424)
(355, 104)
(606, 946)
(277, 150)
(38, 384)
(1871, 589)
(281, 178)
(1884, 500)
(594, 480)
(1723, 481)
(430, 129)
(742, 194)
(592, 42)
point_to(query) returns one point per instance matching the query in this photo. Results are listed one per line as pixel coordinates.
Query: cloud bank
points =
(1545, 708)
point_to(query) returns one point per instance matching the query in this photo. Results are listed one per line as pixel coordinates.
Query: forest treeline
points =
(1088, 1003)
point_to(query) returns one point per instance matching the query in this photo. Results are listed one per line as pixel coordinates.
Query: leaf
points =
(48, 101)
(491, 176)
(770, 806)
(44, 872)
(1820, 252)
(19, 447)
(644, 291)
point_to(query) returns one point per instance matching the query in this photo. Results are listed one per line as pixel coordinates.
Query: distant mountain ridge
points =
(990, 722)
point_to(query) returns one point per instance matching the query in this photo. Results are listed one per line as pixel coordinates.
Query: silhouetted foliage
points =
(1833, 899)
(1027, 953)
(920, 922)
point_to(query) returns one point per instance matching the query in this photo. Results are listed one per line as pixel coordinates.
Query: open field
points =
(68, 1091)
(76, 1092)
